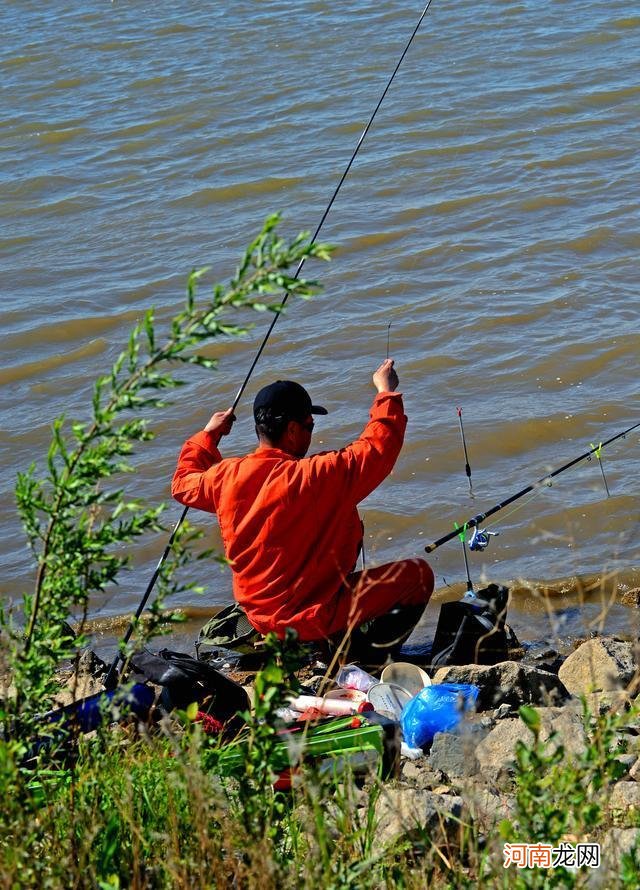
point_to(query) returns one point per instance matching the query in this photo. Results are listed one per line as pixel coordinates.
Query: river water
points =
(491, 219)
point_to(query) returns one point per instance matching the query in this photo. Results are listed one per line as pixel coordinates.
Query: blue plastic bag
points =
(437, 708)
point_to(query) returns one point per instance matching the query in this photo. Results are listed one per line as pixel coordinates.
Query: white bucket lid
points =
(409, 676)
(388, 699)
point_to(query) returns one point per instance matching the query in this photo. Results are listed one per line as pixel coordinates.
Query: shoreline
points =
(576, 602)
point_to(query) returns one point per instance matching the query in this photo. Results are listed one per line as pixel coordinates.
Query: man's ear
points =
(290, 431)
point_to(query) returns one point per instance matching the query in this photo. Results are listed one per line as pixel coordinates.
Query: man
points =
(290, 525)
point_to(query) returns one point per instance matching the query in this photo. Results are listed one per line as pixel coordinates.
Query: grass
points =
(140, 807)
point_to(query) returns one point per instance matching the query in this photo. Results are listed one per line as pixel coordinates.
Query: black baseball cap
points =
(286, 399)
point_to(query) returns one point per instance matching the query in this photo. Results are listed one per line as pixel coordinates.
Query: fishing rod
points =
(475, 521)
(112, 675)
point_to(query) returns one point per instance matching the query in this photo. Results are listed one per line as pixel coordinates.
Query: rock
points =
(567, 723)
(84, 680)
(487, 807)
(496, 752)
(627, 760)
(631, 597)
(401, 811)
(420, 774)
(625, 796)
(543, 657)
(603, 702)
(616, 843)
(634, 772)
(602, 664)
(508, 682)
(505, 710)
(540, 652)
(454, 755)
(90, 663)
(442, 789)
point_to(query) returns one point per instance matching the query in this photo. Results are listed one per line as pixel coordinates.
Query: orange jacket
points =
(289, 525)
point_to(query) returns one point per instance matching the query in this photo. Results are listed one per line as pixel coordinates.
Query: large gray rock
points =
(403, 811)
(496, 752)
(508, 682)
(455, 755)
(566, 723)
(600, 665)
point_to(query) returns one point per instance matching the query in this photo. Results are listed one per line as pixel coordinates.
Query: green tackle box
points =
(361, 743)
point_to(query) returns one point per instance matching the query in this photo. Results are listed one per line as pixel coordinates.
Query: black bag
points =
(375, 641)
(473, 630)
(187, 680)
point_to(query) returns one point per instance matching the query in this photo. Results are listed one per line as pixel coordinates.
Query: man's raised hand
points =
(220, 423)
(385, 378)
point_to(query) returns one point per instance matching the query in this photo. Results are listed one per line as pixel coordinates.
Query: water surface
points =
(491, 218)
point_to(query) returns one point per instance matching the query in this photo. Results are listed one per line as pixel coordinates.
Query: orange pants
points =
(374, 592)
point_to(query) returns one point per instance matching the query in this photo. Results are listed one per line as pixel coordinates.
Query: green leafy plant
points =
(77, 517)
(259, 805)
(559, 795)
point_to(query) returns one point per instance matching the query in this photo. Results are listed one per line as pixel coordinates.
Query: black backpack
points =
(473, 630)
(186, 680)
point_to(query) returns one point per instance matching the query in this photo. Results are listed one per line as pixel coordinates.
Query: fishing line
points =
(598, 453)
(545, 480)
(541, 489)
(331, 201)
(112, 675)
(519, 507)
(413, 261)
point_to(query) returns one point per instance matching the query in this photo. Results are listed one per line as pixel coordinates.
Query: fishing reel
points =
(480, 537)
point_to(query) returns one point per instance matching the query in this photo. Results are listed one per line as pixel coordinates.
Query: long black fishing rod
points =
(112, 675)
(475, 521)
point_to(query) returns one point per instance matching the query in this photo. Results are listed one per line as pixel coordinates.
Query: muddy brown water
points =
(491, 218)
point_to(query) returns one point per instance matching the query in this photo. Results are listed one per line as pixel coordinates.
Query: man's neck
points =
(277, 446)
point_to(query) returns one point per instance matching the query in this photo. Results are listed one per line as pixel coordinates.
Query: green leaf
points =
(530, 717)
(148, 326)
